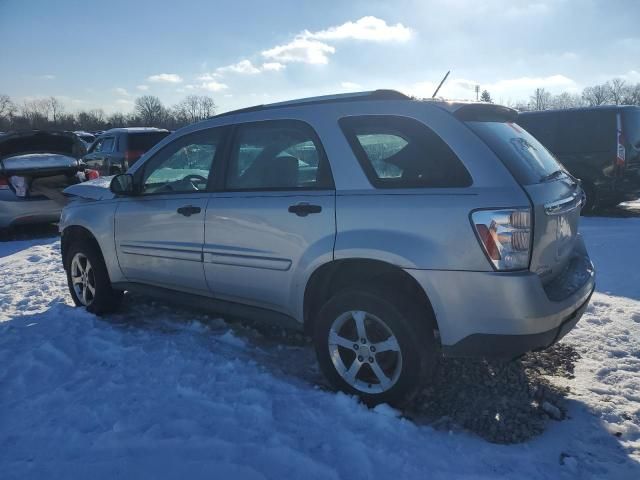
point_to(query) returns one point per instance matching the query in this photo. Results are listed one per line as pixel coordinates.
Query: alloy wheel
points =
(365, 352)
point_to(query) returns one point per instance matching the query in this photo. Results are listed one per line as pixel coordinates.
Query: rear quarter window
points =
(524, 156)
(631, 126)
(400, 152)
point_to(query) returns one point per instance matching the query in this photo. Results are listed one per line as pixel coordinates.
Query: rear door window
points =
(525, 157)
(277, 155)
(400, 152)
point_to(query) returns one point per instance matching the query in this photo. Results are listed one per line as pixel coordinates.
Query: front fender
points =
(97, 217)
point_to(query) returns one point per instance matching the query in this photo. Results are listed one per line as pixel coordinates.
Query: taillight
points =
(4, 183)
(505, 236)
(131, 156)
(620, 151)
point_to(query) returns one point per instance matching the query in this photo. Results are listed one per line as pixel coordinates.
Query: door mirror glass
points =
(123, 184)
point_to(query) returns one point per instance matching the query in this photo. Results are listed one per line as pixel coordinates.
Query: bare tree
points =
(540, 100)
(632, 95)
(91, 120)
(566, 100)
(7, 107)
(56, 108)
(150, 110)
(36, 112)
(117, 120)
(617, 89)
(597, 95)
(194, 108)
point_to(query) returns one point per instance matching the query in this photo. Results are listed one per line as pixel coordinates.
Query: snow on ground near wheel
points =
(158, 392)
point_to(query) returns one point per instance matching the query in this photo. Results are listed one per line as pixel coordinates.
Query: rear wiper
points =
(551, 176)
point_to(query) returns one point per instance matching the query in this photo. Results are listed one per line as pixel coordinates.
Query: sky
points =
(103, 54)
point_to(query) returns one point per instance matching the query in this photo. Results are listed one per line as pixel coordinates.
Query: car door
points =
(97, 158)
(159, 232)
(273, 218)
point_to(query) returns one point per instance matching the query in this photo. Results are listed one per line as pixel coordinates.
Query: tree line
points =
(613, 92)
(50, 114)
(149, 111)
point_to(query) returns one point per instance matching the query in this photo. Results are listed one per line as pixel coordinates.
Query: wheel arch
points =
(333, 276)
(76, 233)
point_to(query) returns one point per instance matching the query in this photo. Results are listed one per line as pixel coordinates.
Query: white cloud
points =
(207, 77)
(166, 78)
(366, 28)
(121, 91)
(48, 76)
(142, 88)
(312, 47)
(211, 86)
(351, 85)
(273, 66)
(300, 50)
(242, 67)
(124, 101)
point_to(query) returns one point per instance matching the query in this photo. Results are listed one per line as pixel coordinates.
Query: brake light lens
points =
(4, 183)
(505, 236)
(131, 156)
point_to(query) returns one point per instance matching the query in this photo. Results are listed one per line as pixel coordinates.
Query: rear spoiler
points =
(485, 112)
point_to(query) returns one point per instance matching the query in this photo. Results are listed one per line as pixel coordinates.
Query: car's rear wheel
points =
(375, 345)
(88, 279)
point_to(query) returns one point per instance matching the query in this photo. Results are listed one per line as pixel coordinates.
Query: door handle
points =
(188, 210)
(304, 209)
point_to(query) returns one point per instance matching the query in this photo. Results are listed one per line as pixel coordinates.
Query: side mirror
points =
(123, 184)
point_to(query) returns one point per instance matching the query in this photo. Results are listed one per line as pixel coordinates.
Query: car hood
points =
(97, 189)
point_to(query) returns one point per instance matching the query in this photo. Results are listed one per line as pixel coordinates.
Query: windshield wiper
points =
(551, 176)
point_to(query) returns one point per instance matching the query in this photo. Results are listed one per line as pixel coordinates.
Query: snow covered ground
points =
(158, 392)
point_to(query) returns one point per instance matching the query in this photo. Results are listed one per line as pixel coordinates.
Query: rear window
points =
(144, 141)
(581, 131)
(525, 157)
(631, 126)
(400, 152)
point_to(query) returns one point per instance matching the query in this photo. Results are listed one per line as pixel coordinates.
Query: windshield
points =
(526, 158)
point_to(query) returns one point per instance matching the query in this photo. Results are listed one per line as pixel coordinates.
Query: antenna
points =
(441, 82)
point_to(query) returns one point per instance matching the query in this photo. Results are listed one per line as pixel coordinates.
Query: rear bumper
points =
(18, 211)
(503, 315)
(482, 345)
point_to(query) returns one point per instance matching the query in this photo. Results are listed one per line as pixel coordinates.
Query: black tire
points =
(407, 323)
(106, 299)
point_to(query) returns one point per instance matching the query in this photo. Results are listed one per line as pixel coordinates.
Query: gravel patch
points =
(501, 401)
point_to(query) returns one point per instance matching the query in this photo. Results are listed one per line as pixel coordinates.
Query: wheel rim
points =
(83, 279)
(365, 352)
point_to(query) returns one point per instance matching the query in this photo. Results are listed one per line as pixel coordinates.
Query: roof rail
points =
(339, 98)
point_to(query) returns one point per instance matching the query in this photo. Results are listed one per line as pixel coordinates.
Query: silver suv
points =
(391, 230)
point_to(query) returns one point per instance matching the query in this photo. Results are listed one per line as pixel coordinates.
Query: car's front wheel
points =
(88, 279)
(374, 345)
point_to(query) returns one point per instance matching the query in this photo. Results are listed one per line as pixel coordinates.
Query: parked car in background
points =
(115, 150)
(599, 145)
(391, 230)
(86, 137)
(35, 166)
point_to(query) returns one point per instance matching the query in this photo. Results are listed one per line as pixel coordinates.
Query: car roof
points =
(113, 131)
(453, 107)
